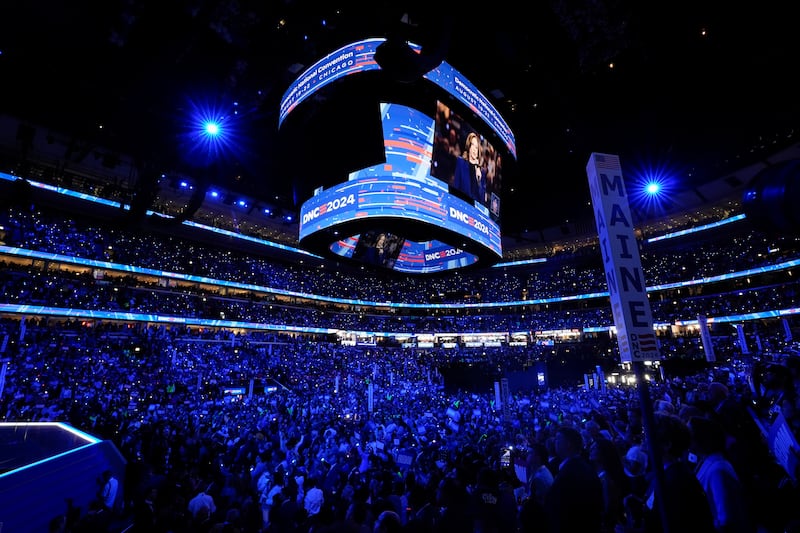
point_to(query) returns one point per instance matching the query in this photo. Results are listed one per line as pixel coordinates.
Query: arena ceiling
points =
(684, 91)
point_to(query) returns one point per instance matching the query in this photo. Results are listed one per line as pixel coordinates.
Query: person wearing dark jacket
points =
(575, 499)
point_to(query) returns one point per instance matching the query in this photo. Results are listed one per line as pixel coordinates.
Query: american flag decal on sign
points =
(606, 162)
(647, 342)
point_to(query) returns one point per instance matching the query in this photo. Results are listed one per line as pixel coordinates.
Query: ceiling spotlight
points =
(211, 128)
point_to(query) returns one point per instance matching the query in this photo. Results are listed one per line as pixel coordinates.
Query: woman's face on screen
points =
(474, 149)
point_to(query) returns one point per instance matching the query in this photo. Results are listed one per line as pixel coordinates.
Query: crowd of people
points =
(326, 437)
(542, 284)
(278, 432)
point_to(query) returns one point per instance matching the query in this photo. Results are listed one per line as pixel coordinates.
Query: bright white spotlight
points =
(654, 185)
(212, 128)
(209, 134)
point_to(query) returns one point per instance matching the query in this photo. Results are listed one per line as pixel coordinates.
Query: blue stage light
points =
(212, 129)
(209, 134)
(652, 188)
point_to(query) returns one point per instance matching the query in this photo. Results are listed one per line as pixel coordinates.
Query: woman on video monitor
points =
(470, 177)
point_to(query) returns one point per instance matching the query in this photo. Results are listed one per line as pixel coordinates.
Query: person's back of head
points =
(708, 436)
(538, 455)
(357, 512)
(592, 427)
(671, 434)
(664, 406)
(568, 442)
(605, 454)
(717, 392)
(388, 522)
(635, 462)
(450, 493)
(487, 477)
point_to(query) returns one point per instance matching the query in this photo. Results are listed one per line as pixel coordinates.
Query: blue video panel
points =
(350, 59)
(359, 57)
(403, 198)
(416, 257)
(401, 188)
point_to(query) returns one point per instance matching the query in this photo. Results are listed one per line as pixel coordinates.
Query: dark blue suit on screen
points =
(467, 182)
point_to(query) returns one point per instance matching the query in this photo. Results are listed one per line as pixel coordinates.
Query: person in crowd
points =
(201, 521)
(540, 478)
(531, 511)
(494, 508)
(453, 511)
(231, 524)
(635, 464)
(605, 458)
(356, 520)
(273, 496)
(108, 492)
(287, 516)
(146, 513)
(726, 496)
(313, 500)
(680, 503)
(388, 522)
(202, 502)
(154, 389)
(96, 519)
(575, 499)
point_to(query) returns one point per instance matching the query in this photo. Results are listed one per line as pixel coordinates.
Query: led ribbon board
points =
(398, 205)
(359, 57)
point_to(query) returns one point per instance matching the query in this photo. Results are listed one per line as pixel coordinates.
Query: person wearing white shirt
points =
(108, 494)
(719, 479)
(314, 497)
(200, 501)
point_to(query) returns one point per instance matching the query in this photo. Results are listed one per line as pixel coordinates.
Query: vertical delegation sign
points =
(623, 266)
(705, 336)
(742, 338)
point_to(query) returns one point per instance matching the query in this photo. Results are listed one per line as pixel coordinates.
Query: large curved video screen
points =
(360, 57)
(430, 200)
